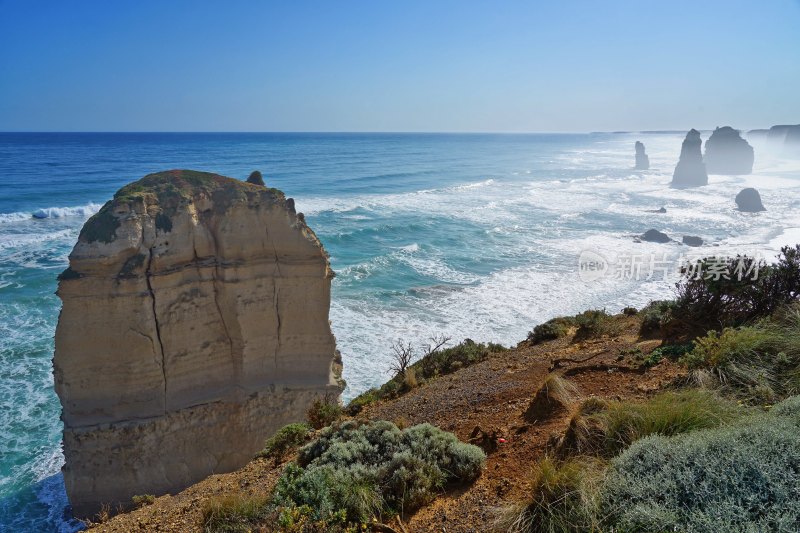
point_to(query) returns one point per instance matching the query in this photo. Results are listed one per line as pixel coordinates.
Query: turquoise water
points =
(465, 235)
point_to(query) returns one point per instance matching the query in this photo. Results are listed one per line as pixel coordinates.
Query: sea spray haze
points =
(465, 235)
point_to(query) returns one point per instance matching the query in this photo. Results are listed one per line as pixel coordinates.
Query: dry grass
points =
(234, 513)
(556, 393)
(562, 498)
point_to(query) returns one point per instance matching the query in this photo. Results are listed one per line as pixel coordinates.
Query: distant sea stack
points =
(690, 170)
(194, 325)
(642, 161)
(728, 153)
(749, 200)
(777, 134)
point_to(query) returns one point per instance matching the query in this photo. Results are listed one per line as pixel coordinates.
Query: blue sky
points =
(426, 65)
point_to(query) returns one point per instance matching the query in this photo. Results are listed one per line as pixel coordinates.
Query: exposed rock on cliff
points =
(194, 325)
(642, 161)
(256, 178)
(749, 200)
(690, 170)
(728, 153)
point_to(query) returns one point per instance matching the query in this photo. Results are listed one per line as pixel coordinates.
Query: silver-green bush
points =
(365, 471)
(744, 477)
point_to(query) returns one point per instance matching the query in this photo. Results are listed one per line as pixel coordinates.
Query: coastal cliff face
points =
(194, 325)
(690, 170)
(728, 153)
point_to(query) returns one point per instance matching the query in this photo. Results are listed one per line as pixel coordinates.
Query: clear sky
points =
(403, 65)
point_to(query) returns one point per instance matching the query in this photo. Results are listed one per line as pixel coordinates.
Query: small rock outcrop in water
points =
(653, 235)
(689, 240)
(194, 325)
(690, 170)
(728, 153)
(749, 200)
(642, 161)
(256, 178)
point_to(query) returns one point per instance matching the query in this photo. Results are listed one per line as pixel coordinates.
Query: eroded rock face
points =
(690, 170)
(749, 200)
(791, 143)
(642, 161)
(194, 325)
(728, 153)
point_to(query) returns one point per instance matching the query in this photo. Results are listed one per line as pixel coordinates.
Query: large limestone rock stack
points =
(690, 170)
(642, 161)
(194, 325)
(728, 153)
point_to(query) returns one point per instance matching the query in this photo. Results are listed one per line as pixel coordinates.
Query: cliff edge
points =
(194, 325)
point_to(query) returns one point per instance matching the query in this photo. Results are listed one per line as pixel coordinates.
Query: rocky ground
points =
(487, 403)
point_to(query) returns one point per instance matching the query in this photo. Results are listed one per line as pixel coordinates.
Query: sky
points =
(420, 66)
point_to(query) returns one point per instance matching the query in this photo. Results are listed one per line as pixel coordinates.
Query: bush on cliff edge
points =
(362, 472)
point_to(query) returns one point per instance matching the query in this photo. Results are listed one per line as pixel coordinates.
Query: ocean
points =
(467, 235)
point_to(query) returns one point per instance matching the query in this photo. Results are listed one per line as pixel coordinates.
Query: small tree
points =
(437, 342)
(402, 354)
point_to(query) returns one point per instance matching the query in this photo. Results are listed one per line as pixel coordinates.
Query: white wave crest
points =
(61, 212)
(52, 212)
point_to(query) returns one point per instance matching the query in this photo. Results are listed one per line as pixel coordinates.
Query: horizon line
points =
(375, 132)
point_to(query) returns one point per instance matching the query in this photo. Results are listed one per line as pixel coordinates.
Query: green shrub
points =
(552, 329)
(286, 440)
(595, 323)
(605, 428)
(655, 316)
(365, 471)
(630, 311)
(234, 513)
(708, 303)
(140, 500)
(358, 403)
(447, 360)
(735, 478)
(669, 351)
(323, 412)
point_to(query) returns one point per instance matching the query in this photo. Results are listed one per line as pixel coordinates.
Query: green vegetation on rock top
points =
(184, 184)
(170, 190)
